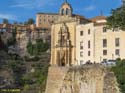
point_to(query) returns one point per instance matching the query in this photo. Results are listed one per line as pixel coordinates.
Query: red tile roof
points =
(98, 18)
(1, 25)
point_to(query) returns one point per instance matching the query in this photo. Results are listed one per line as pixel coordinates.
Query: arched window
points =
(62, 12)
(67, 11)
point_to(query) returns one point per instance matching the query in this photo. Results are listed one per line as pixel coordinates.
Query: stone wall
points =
(55, 79)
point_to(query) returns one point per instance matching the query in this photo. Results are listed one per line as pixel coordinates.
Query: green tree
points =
(41, 46)
(41, 75)
(117, 18)
(19, 70)
(30, 48)
(1, 43)
(37, 48)
(12, 40)
(30, 21)
(5, 21)
(15, 22)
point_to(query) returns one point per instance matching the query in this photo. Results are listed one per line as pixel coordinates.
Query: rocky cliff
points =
(85, 79)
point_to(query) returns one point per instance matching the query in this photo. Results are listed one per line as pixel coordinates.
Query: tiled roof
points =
(1, 25)
(98, 18)
(99, 24)
(48, 13)
(81, 17)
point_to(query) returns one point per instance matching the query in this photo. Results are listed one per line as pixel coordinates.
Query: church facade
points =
(63, 37)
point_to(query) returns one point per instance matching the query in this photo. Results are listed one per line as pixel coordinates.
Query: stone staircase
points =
(55, 79)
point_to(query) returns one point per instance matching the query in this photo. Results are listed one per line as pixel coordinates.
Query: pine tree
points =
(117, 18)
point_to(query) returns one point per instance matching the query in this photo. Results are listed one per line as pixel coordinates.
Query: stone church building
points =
(63, 36)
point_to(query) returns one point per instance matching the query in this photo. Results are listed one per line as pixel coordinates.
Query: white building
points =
(84, 43)
(96, 43)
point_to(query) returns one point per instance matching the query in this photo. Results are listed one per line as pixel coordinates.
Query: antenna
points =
(101, 13)
(66, 1)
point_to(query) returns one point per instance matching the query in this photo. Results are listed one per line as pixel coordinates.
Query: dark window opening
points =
(89, 53)
(81, 33)
(104, 29)
(89, 44)
(104, 52)
(62, 12)
(89, 31)
(104, 42)
(117, 52)
(117, 43)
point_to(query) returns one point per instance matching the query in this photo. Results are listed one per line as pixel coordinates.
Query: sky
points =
(21, 10)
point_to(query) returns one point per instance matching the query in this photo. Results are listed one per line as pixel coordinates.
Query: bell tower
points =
(66, 9)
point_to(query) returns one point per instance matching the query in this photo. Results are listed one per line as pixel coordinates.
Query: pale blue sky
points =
(21, 10)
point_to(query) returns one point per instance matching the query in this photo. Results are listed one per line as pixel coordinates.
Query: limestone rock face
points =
(83, 79)
(89, 79)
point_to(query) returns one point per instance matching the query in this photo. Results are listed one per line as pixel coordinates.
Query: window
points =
(116, 29)
(104, 42)
(89, 53)
(104, 29)
(48, 20)
(81, 54)
(104, 52)
(117, 52)
(62, 12)
(89, 44)
(81, 62)
(117, 43)
(44, 20)
(104, 60)
(81, 45)
(89, 31)
(67, 11)
(81, 33)
(40, 20)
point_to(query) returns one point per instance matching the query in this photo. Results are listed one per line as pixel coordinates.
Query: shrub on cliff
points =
(37, 48)
(2, 45)
(30, 48)
(12, 40)
(119, 71)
